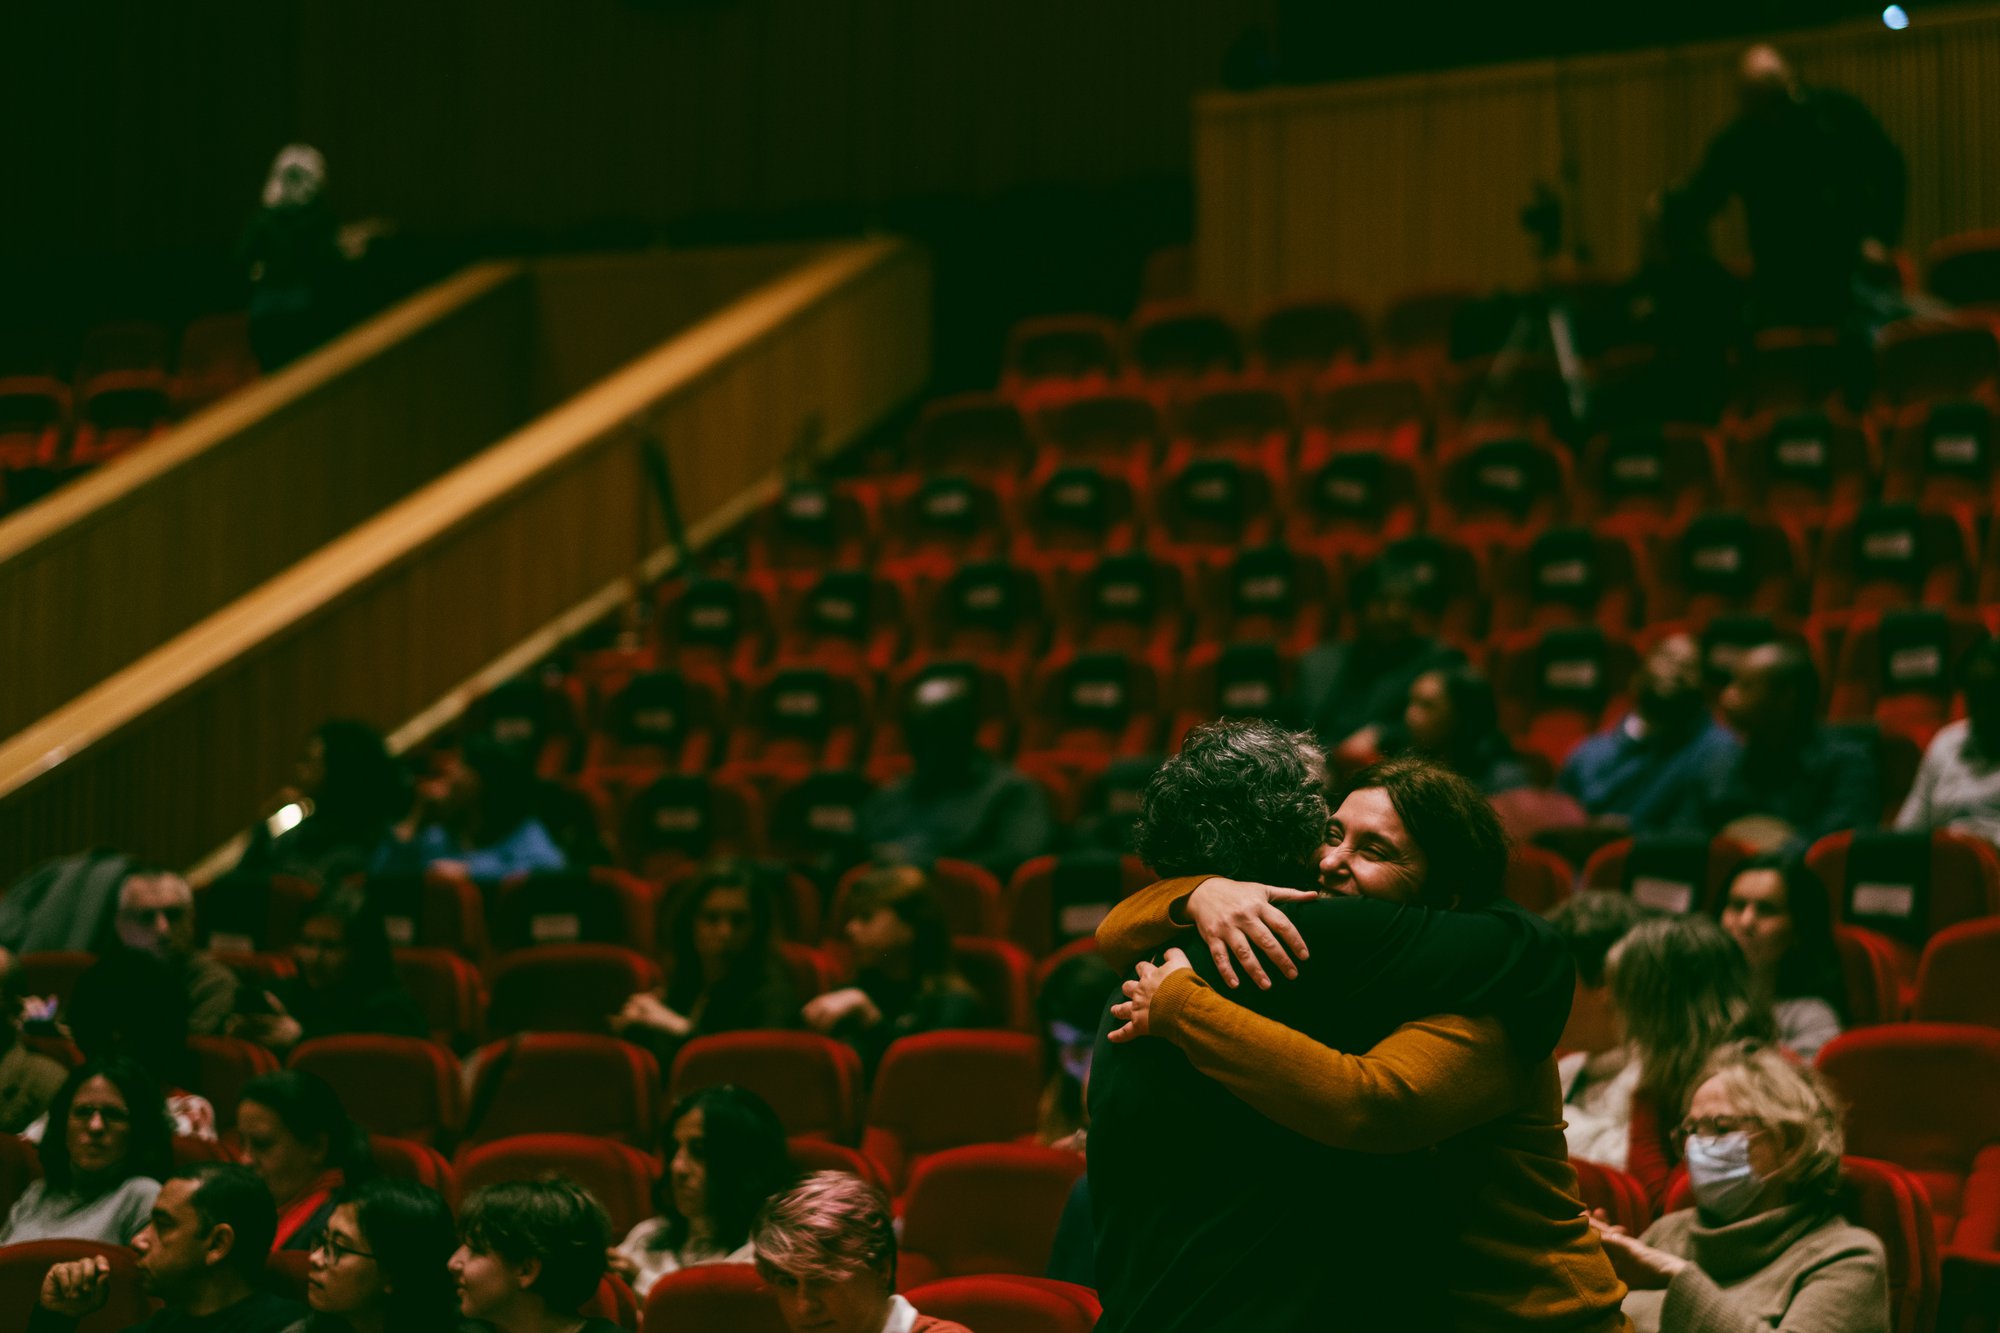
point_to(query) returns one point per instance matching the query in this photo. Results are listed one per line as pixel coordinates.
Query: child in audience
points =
(1777, 912)
(346, 981)
(827, 1248)
(530, 1254)
(725, 1155)
(724, 972)
(905, 981)
(297, 1136)
(108, 1147)
(380, 1265)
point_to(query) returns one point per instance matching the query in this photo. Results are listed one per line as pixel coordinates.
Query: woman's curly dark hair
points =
(1243, 798)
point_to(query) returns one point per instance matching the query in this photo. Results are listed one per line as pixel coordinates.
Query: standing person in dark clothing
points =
(346, 981)
(961, 802)
(292, 253)
(201, 1256)
(1822, 187)
(1347, 692)
(1790, 780)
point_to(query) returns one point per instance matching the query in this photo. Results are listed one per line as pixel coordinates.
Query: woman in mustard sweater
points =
(1521, 1253)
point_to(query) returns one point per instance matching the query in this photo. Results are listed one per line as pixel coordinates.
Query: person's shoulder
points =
(931, 1324)
(1950, 740)
(640, 1236)
(1839, 1239)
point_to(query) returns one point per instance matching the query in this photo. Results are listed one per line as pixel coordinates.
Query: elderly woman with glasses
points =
(1765, 1245)
(379, 1265)
(107, 1147)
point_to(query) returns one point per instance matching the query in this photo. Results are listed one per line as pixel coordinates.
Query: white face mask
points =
(1719, 1171)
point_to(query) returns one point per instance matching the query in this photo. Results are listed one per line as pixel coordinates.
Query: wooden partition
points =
(172, 755)
(1371, 189)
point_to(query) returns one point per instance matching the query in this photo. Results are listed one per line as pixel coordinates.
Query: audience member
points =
(905, 980)
(1069, 1005)
(1958, 784)
(292, 254)
(201, 1256)
(1765, 1245)
(723, 968)
(726, 1155)
(1599, 1073)
(1683, 991)
(156, 916)
(1349, 690)
(1778, 913)
(130, 1003)
(1822, 189)
(108, 1148)
(1452, 719)
(29, 1080)
(346, 981)
(959, 801)
(299, 1139)
(529, 1255)
(827, 1248)
(476, 817)
(1789, 780)
(380, 1265)
(1634, 774)
(348, 791)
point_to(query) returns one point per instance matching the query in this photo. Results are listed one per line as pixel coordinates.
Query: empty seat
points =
(215, 359)
(251, 913)
(940, 1090)
(843, 620)
(1667, 873)
(24, 1266)
(1010, 1304)
(811, 527)
(1272, 593)
(947, 519)
(1121, 429)
(1569, 576)
(714, 1296)
(1964, 268)
(448, 990)
(989, 611)
(1647, 480)
(566, 987)
(802, 718)
(1209, 508)
(1347, 506)
(34, 414)
(1792, 370)
(1872, 971)
(1451, 585)
(998, 970)
(534, 715)
(1943, 454)
(1094, 704)
(1491, 490)
(984, 1209)
(816, 821)
(399, 1087)
(1724, 564)
(660, 722)
(1056, 899)
(122, 413)
(682, 818)
(1249, 419)
(1807, 466)
(20, 1165)
(1078, 509)
(1131, 603)
(597, 906)
(1300, 339)
(222, 1065)
(613, 1301)
(714, 623)
(812, 1082)
(1058, 352)
(1895, 555)
(1908, 885)
(1245, 678)
(619, 1176)
(438, 909)
(1417, 326)
(1182, 341)
(399, 1159)
(1956, 978)
(1900, 668)
(1920, 361)
(528, 1084)
(982, 435)
(1926, 1096)
(1556, 686)
(1382, 410)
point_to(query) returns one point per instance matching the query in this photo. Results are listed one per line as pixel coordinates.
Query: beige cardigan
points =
(1802, 1269)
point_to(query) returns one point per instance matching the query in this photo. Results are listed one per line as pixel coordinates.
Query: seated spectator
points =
(960, 801)
(29, 1080)
(380, 1264)
(529, 1255)
(726, 1155)
(156, 916)
(1348, 691)
(109, 1147)
(1777, 912)
(1599, 1071)
(1958, 784)
(201, 1256)
(1765, 1245)
(1790, 780)
(904, 978)
(347, 793)
(1069, 1005)
(130, 1003)
(297, 1136)
(724, 972)
(346, 981)
(1453, 719)
(475, 818)
(1634, 774)
(1683, 991)
(827, 1248)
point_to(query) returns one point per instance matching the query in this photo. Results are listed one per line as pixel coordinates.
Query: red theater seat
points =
(20, 1164)
(620, 1177)
(1803, 466)
(1091, 706)
(1493, 490)
(810, 1154)
(1075, 512)
(1180, 341)
(984, 1209)
(657, 722)
(1416, 328)
(843, 620)
(1964, 268)
(1053, 900)
(1899, 669)
(970, 895)
(1270, 593)
(1116, 428)
(1908, 885)
(1537, 878)
(23, 1266)
(1790, 370)
(1347, 506)
(1569, 576)
(714, 624)
(1243, 678)
(1723, 564)
(813, 1082)
(1062, 352)
(1889, 555)
(1667, 874)
(1873, 968)
(53, 972)
(1958, 979)
(1248, 419)
(1452, 585)
(448, 990)
(800, 718)
(566, 987)
(215, 359)
(1618, 1194)
(528, 1084)
(420, 1165)
(1130, 603)
(1921, 361)
(681, 819)
(811, 527)
(435, 910)
(400, 1087)
(1943, 454)
(222, 1065)
(1208, 508)
(613, 1301)
(982, 435)
(1647, 480)
(714, 1297)
(995, 1304)
(946, 520)
(1383, 410)
(942, 1090)
(1297, 340)
(999, 971)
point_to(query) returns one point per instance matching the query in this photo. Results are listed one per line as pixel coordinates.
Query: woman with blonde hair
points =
(1765, 1245)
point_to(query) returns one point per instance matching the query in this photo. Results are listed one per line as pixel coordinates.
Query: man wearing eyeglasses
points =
(156, 916)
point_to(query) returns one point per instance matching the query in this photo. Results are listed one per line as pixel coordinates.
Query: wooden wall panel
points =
(1376, 188)
(169, 757)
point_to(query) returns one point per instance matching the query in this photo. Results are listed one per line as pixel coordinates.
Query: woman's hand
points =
(830, 1010)
(1137, 1007)
(621, 1264)
(1638, 1265)
(647, 1010)
(1237, 919)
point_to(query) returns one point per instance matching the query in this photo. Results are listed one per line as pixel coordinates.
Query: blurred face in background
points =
(1758, 917)
(881, 937)
(321, 951)
(156, 915)
(1428, 715)
(723, 925)
(1668, 690)
(689, 1167)
(287, 1164)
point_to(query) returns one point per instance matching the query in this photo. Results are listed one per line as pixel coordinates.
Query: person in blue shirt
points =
(476, 818)
(1635, 774)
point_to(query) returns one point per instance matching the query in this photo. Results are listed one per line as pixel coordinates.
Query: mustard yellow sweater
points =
(1520, 1253)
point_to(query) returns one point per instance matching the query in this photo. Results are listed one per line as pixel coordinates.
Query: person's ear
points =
(526, 1273)
(221, 1244)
